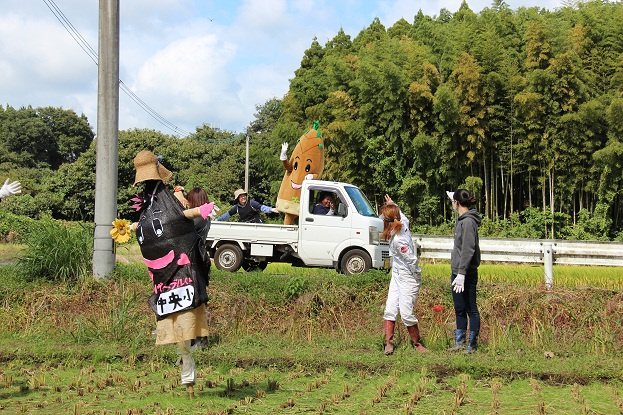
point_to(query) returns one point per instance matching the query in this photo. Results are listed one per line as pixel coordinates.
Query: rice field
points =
(303, 340)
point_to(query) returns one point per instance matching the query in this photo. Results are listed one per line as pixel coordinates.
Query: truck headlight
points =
(373, 235)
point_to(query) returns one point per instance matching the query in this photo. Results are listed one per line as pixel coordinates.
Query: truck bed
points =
(253, 233)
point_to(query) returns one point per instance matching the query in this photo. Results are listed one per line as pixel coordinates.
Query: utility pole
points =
(246, 167)
(107, 138)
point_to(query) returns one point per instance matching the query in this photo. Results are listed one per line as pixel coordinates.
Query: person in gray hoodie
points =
(464, 261)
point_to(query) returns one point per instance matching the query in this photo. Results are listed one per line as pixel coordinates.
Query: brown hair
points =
(391, 221)
(197, 197)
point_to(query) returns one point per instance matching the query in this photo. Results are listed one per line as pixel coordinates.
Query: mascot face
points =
(307, 158)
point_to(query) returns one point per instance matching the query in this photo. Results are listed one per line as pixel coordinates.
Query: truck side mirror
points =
(342, 210)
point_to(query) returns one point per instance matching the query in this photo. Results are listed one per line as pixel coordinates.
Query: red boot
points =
(414, 332)
(389, 336)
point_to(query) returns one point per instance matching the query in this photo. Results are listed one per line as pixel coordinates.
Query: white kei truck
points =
(347, 240)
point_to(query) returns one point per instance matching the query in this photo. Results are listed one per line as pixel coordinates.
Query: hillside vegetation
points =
(523, 107)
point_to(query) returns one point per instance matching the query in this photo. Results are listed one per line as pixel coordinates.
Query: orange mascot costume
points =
(305, 163)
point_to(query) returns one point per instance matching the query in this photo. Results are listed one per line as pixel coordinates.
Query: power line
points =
(84, 45)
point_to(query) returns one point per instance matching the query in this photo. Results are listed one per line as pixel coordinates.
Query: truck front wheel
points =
(228, 257)
(356, 261)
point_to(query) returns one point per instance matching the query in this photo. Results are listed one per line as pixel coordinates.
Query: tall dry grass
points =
(309, 306)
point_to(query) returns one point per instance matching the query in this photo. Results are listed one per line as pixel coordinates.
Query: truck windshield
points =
(360, 201)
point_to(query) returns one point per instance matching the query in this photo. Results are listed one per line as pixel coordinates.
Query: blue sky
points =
(193, 62)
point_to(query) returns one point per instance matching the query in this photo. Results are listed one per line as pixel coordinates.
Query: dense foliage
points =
(524, 107)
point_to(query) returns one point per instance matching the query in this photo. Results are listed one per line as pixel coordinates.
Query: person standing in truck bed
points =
(247, 210)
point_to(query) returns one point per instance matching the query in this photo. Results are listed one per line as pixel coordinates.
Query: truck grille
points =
(385, 252)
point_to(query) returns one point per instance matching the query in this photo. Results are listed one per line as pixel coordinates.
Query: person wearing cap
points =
(406, 280)
(10, 189)
(464, 261)
(176, 259)
(248, 210)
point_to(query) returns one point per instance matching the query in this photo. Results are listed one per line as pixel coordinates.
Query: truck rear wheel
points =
(356, 261)
(228, 257)
(249, 265)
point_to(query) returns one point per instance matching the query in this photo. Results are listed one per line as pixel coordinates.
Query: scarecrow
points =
(305, 163)
(176, 259)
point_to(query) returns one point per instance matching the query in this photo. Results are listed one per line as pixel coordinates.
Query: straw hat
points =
(237, 194)
(148, 167)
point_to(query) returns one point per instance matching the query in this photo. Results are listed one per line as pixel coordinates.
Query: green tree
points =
(538, 46)
(467, 83)
(266, 171)
(310, 84)
(72, 133)
(421, 96)
(370, 36)
(44, 137)
(447, 116)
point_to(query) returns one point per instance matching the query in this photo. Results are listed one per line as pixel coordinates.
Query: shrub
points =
(294, 287)
(444, 229)
(57, 252)
(14, 228)
(589, 227)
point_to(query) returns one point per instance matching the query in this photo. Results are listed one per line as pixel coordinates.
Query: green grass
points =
(301, 340)
(134, 387)
(8, 252)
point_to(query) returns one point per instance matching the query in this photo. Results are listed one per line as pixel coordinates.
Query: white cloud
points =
(191, 81)
(192, 61)
(36, 68)
(263, 15)
(188, 67)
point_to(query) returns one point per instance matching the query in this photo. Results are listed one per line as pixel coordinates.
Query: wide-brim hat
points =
(239, 192)
(149, 167)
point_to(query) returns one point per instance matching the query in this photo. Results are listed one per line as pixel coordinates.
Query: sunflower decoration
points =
(120, 231)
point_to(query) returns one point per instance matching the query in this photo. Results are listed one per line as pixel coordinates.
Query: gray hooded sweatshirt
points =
(465, 256)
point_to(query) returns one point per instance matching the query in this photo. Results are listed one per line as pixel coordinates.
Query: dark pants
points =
(465, 304)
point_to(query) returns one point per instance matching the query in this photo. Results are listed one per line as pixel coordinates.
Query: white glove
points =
(213, 214)
(284, 148)
(308, 177)
(10, 189)
(458, 285)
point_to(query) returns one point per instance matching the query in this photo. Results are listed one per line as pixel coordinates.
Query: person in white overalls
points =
(404, 286)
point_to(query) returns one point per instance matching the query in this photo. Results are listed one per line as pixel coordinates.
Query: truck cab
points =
(345, 238)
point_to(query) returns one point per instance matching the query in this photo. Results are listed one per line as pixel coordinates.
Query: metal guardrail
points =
(540, 251)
